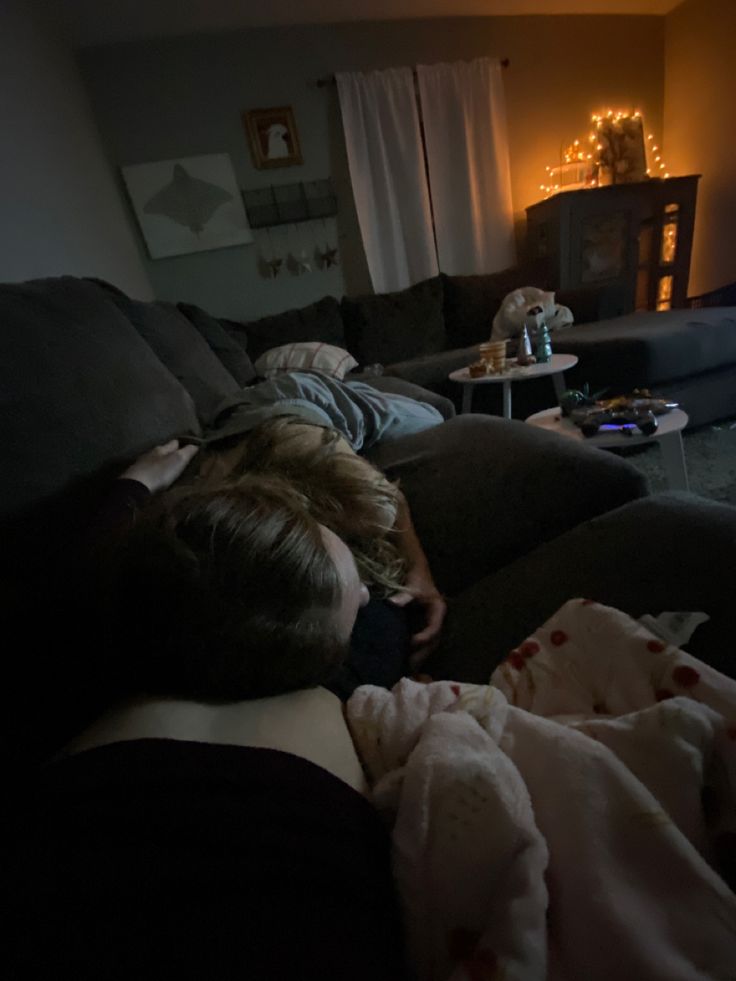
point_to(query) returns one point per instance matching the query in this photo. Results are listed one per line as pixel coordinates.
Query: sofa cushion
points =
(392, 327)
(321, 321)
(477, 489)
(647, 348)
(471, 303)
(221, 343)
(183, 350)
(80, 388)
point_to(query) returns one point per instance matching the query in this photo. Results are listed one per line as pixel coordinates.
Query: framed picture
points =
(273, 138)
(190, 204)
(621, 158)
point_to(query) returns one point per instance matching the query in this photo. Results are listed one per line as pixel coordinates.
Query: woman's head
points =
(230, 593)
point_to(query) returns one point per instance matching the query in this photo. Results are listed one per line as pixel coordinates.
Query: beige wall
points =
(184, 96)
(700, 98)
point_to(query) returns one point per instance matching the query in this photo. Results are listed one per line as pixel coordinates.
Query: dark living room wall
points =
(60, 210)
(184, 96)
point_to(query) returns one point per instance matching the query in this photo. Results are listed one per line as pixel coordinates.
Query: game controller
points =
(594, 421)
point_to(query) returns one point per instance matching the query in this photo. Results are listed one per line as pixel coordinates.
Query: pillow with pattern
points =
(306, 356)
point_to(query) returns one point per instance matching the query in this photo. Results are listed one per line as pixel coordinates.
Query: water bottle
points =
(544, 345)
(524, 351)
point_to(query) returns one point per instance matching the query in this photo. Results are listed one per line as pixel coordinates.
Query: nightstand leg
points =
(673, 458)
(559, 382)
(507, 400)
(467, 398)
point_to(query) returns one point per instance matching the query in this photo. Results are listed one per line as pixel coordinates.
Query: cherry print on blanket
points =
(558, 637)
(655, 646)
(685, 676)
(529, 648)
(516, 660)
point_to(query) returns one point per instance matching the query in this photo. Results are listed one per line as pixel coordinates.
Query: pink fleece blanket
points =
(552, 824)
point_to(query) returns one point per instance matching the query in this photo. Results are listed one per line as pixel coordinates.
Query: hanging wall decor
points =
(273, 138)
(326, 256)
(270, 259)
(297, 261)
(189, 204)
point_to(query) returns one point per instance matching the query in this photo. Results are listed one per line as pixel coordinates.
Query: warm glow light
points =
(589, 163)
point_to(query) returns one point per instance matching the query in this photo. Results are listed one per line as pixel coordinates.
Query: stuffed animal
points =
(528, 306)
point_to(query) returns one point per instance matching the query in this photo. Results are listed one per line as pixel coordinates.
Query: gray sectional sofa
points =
(514, 520)
(423, 333)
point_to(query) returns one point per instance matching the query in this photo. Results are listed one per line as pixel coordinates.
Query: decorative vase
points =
(544, 345)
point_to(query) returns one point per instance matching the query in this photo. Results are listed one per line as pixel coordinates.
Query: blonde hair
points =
(342, 491)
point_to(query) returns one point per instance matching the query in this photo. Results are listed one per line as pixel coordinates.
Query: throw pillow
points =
(81, 388)
(320, 321)
(184, 352)
(470, 303)
(309, 356)
(221, 343)
(394, 327)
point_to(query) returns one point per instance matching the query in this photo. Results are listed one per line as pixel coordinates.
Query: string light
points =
(586, 173)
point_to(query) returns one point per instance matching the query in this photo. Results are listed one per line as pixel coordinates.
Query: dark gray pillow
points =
(471, 303)
(393, 327)
(184, 351)
(80, 389)
(227, 349)
(320, 321)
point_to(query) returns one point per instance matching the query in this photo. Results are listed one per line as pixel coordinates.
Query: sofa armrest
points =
(484, 491)
(651, 555)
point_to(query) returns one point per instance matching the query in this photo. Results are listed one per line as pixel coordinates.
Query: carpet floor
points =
(710, 456)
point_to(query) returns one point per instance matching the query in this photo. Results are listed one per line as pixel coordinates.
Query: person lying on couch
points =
(213, 821)
(347, 495)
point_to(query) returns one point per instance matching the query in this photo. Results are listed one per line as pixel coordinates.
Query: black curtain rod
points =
(330, 79)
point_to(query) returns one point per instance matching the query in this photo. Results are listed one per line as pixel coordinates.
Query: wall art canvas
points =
(189, 204)
(273, 138)
(621, 157)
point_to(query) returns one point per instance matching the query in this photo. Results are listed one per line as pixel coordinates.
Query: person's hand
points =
(420, 588)
(161, 466)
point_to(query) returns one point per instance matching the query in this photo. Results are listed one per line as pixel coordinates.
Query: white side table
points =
(514, 373)
(668, 437)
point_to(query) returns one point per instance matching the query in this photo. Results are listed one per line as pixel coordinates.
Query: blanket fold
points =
(551, 824)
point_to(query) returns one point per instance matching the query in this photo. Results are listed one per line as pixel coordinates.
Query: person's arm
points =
(420, 587)
(152, 472)
(161, 466)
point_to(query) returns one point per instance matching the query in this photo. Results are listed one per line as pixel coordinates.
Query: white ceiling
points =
(88, 22)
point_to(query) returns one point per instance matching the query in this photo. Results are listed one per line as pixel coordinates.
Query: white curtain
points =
(464, 117)
(388, 175)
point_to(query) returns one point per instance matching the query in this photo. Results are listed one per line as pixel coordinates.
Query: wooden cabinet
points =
(633, 238)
